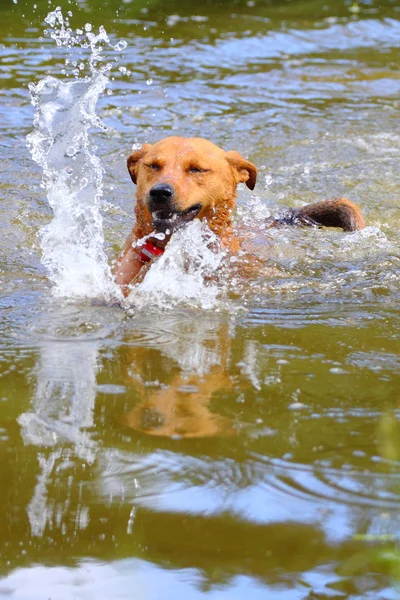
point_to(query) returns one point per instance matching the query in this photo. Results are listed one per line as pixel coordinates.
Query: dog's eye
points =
(197, 170)
(154, 166)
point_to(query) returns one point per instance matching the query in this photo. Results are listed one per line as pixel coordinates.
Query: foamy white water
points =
(185, 273)
(73, 242)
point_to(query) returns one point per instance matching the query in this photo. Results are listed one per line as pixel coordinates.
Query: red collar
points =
(149, 251)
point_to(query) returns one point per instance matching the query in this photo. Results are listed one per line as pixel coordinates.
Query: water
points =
(223, 435)
(73, 243)
(185, 274)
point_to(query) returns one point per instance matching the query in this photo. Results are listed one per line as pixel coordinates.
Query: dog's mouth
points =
(164, 220)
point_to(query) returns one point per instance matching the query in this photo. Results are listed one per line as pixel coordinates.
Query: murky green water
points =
(251, 449)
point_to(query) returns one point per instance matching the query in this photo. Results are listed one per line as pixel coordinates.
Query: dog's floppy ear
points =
(134, 159)
(247, 172)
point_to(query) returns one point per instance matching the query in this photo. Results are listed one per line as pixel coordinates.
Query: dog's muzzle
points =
(165, 216)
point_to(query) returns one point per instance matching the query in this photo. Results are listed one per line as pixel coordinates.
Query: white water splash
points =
(186, 273)
(255, 211)
(73, 242)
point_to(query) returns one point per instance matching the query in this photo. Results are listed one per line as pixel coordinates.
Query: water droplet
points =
(72, 151)
(120, 46)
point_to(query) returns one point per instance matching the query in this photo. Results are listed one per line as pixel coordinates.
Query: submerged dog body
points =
(180, 179)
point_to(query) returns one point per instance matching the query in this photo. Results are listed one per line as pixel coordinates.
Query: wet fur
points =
(329, 213)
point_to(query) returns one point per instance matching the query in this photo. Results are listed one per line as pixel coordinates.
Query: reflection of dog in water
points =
(182, 409)
(177, 380)
(181, 179)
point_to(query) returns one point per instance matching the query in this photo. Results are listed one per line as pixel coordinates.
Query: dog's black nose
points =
(160, 194)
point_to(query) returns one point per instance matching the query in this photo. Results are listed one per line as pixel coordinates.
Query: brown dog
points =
(180, 179)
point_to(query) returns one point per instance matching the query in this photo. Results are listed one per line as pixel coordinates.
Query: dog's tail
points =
(330, 213)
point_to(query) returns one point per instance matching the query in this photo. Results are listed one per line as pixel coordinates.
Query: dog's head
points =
(179, 179)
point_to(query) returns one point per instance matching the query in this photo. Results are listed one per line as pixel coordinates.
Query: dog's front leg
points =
(127, 266)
